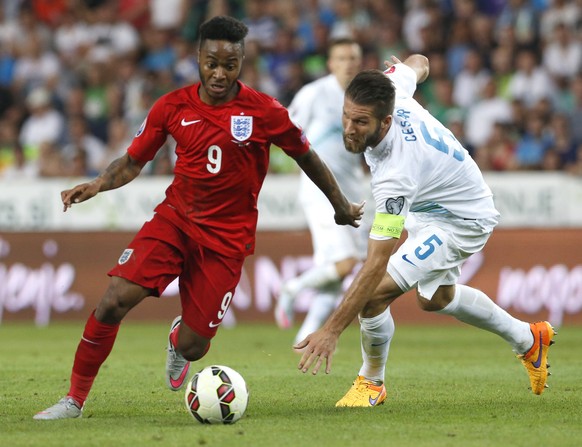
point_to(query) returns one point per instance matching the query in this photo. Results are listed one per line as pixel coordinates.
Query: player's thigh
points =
(432, 255)
(207, 287)
(154, 257)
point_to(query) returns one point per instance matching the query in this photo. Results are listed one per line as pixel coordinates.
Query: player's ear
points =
(386, 122)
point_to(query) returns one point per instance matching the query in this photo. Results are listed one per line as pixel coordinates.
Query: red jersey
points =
(222, 160)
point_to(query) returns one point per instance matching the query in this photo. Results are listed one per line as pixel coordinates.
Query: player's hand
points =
(79, 194)
(352, 215)
(394, 60)
(316, 348)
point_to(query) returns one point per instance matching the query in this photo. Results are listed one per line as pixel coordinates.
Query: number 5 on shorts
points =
(428, 247)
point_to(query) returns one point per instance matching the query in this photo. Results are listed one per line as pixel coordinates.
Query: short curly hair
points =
(223, 28)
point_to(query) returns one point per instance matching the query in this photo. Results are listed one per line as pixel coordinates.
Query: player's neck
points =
(209, 100)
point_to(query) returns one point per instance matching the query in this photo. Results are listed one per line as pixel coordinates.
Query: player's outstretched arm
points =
(346, 212)
(120, 172)
(417, 62)
(319, 347)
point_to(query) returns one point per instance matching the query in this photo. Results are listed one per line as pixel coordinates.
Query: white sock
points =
(320, 308)
(315, 277)
(375, 337)
(473, 307)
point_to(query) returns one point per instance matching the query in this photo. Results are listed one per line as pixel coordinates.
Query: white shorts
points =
(435, 249)
(333, 242)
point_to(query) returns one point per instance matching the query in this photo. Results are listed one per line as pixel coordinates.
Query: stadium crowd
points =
(77, 77)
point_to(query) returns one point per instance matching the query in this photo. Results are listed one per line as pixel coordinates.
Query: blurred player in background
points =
(317, 108)
(205, 227)
(420, 173)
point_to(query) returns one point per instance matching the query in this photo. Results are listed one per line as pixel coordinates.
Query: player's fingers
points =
(318, 363)
(396, 60)
(328, 363)
(310, 358)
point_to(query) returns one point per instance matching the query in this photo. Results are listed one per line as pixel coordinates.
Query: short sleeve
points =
(151, 134)
(404, 79)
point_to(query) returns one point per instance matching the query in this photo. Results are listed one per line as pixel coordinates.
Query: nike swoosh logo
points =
(213, 324)
(538, 361)
(187, 123)
(177, 383)
(405, 257)
(90, 341)
(380, 344)
(373, 401)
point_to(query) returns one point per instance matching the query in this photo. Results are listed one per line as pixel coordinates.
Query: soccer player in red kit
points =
(205, 227)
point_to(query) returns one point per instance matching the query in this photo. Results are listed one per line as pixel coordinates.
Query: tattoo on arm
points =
(120, 172)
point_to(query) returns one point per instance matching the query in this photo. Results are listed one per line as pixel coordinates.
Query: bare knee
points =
(119, 298)
(441, 298)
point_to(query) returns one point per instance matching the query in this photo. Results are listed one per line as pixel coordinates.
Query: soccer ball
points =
(217, 395)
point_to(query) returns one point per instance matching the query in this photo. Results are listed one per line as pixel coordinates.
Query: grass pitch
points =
(447, 386)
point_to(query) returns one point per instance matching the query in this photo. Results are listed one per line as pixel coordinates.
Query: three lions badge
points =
(241, 127)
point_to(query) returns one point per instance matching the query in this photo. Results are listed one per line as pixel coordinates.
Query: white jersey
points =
(317, 109)
(420, 167)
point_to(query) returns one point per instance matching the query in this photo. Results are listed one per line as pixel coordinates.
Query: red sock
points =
(93, 349)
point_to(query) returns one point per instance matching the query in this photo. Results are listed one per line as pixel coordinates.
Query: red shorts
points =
(160, 252)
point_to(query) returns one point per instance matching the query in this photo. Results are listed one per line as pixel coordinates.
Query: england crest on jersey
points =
(125, 256)
(241, 127)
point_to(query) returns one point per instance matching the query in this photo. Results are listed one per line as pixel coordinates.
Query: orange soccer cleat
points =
(536, 359)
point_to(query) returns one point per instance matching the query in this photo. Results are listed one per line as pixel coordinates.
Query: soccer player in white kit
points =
(317, 109)
(425, 181)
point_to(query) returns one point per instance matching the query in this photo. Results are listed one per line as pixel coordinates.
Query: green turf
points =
(447, 386)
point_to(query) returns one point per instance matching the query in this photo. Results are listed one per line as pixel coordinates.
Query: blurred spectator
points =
(12, 163)
(502, 70)
(35, 66)
(168, 15)
(186, 64)
(44, 125)
(351, 21)
(442, 105)
(416, 17)
(119, 139)
(97, 100)
(72, 39)
(81, 146)
(533, 145)
(565, 12)
(520, 16)
(109, 36)
(484, 113)
(531, 82)
(49, 12)
(458, 46)
(262, 25)
(563, 145)
(562, 55)
(159, 55)
(575, 115)
(470, 81)
(498, 152)
(281, 60)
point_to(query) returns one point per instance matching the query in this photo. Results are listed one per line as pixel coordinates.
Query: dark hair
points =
(372, 88)
(223, 28)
